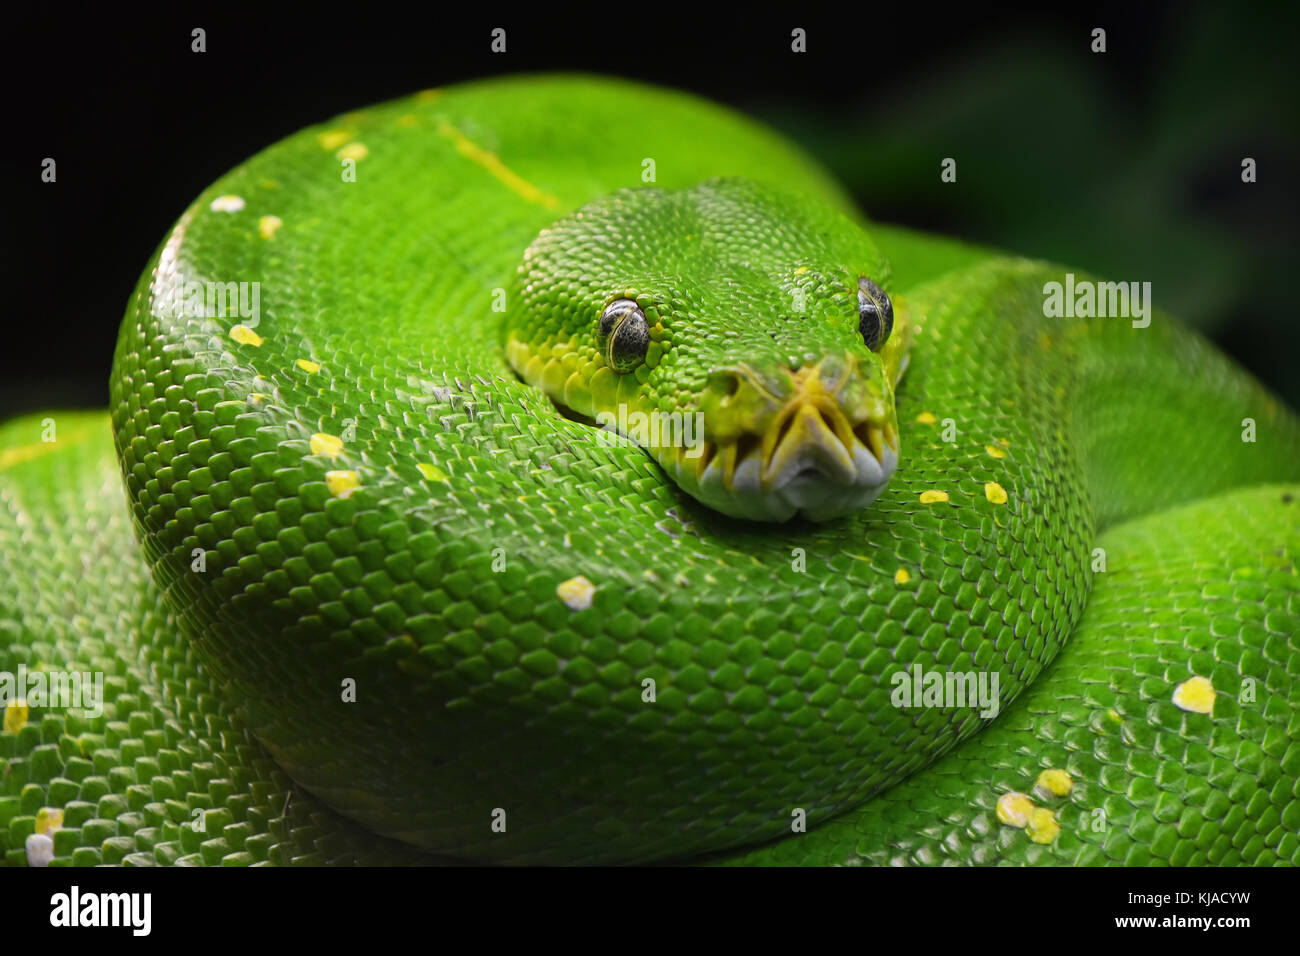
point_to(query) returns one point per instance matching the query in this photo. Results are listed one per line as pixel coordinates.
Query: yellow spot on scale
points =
(901, 576)
(933, 497)
(995, 493)
(267, 225)
(1013, 809)
(15, 716)
(1113, 715)
(307, 365)
(1196, 694)
(49, 819)
(489, 161)
(333, 139)
(245, 336)
(926, 418)
(576, 593)
(256, 398)
(328, 445)
(995, 452)
(269, 184)
(406, 121)
(432, 472)
(227, 204)
(801, 270)
(427, 96)
(1042, 826)
(1053, 783)
(342, 483)
(354, 151)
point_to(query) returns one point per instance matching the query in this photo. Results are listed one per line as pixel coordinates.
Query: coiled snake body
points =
(372, 531)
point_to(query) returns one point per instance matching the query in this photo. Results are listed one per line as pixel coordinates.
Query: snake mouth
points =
(810, 458)
(804, 442)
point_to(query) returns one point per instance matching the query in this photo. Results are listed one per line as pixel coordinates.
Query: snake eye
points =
(875, 314)
(624, 335)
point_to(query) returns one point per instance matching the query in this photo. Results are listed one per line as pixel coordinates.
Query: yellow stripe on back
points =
(492, 163)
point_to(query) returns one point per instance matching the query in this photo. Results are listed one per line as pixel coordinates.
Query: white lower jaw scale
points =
(802, 486)
(822, 500)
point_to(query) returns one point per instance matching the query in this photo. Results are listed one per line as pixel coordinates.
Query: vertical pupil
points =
(875, 313)
(624, 337)
(613, 314)
(869, 324)
(609, 320)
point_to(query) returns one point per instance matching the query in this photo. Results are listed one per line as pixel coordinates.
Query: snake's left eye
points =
(875, 314)
(624, 335)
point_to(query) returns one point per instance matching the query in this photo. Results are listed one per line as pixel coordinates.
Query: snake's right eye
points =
(624, 335)
(875, 314)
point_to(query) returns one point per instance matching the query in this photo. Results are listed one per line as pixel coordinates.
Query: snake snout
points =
(807, 437)
(814, 437)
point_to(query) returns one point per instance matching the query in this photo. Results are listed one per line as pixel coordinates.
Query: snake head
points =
(740, 334)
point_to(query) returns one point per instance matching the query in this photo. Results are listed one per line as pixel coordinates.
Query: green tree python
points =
(371, 577)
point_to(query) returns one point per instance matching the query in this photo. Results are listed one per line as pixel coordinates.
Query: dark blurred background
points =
(1126, 163)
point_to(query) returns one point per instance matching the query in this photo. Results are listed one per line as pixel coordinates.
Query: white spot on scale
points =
(40, 849)
(227, 204)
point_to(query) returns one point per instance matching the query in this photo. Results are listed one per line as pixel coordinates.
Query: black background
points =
(648, 909)
(1125, 163)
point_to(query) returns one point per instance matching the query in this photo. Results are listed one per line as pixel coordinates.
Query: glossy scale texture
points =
(377, 498)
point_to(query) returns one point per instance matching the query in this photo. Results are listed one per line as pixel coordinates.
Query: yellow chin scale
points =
(569, 374)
